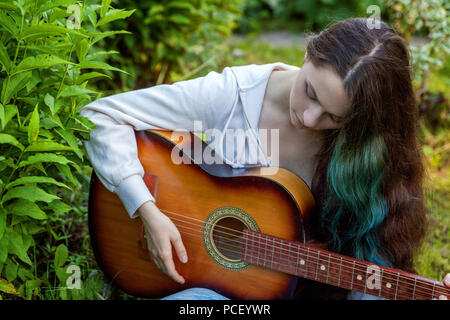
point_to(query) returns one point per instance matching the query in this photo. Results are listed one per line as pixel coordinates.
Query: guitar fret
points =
(340, 270)
(279, 257)
(289, 258)
(328, 271)
(283, 262)
(364, 283)
(306, 265)
(414, 289)
(250, 241)
(273, 251)
(245, 246)
(432, 293)
(317, 264)
(396, 286)
(353, 271)
(265, 253)
(381, 283)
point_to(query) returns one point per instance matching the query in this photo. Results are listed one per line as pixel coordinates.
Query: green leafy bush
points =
(47, 59)
(412, 17)
(300, 15)
(172, 40)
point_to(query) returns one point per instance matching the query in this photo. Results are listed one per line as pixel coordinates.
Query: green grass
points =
(260, 52)
(433, 259)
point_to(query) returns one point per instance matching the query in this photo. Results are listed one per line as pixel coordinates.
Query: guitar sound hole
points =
(227, 237)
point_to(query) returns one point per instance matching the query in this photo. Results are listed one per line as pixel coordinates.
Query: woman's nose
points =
(311, 116)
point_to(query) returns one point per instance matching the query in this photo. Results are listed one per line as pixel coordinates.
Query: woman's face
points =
(318, 100)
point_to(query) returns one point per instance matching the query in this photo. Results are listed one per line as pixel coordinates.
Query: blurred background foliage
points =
(136, 44)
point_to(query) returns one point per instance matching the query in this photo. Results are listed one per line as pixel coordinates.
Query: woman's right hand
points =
(161, 234)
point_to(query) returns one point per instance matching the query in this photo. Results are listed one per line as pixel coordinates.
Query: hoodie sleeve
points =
(112, 147)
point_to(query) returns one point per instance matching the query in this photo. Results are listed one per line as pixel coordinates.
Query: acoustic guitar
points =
(245, 231)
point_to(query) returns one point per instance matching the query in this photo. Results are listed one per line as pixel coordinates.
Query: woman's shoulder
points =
(249, 75)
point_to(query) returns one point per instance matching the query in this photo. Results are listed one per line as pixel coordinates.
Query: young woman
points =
(347, 126)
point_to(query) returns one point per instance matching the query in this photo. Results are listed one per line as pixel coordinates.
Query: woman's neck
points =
(279, 87)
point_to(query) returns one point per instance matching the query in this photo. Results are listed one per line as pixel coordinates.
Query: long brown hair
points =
(376, 153)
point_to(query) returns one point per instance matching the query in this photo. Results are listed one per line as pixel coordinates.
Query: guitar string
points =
(323, 261)
(354, 286)
(306, 272)
(385, 272)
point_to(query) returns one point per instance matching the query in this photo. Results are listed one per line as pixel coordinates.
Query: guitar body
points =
(206, 203)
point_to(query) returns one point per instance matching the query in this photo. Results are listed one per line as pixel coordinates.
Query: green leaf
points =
(33, 127)
(4, 58)
(2, 116)
(17, 246)
(7, 287)
(52, 121)
(10, 111)
(3, 250)
(47, 146)
(61, 255)
(66, 171)
(14, 85)
(87, 64)
(59, 207)
(29, 193)
(90, 75)
(8, 23)
(2, 222)
(35, 179)
(71, 140)
(11, 271)
(44, 157)
(8, 6)
(24, 207)
(39, 61)
(49, 101)
(74, 91)
(101, 35)
(82, 49)
(105, 7)
(9, 139)
(45, 30)
(85, 122)
(115, 14)
(100, 53)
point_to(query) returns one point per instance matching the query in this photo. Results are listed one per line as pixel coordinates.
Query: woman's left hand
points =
(446, 282)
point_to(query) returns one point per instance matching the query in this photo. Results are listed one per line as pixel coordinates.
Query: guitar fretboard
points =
(341, 271)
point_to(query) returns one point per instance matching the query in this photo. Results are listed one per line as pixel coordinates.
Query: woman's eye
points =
(335, 119)
(308, 94)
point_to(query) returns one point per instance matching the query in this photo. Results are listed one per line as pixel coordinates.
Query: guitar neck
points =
(337, 270)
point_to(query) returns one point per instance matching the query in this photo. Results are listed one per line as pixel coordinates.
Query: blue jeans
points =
(196, 294)
(207, 294)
